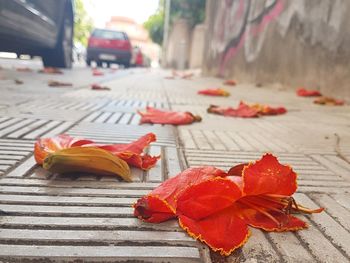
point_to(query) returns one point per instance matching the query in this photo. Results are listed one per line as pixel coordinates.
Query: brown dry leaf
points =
(187, 75)
(18, 81)
(329, 101)
(99, 87)
(230, 82)
(23, 69)
(50, 70)
(55, 83)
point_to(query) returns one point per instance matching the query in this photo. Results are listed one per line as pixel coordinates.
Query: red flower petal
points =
(153, 209)
(136, 147)
(208, 197)
(243, 110)
(214, 92)
(308, 93)
(168, 191)
(268, 176)
(96, 72)
(268, 110)
(268, 215)
(223, 231)
(156, 116)
(237, 170)
(132, 152)
(230, 82)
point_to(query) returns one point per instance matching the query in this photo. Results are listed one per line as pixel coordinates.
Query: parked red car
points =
(109, 46)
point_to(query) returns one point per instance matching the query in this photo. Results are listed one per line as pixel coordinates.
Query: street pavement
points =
(89, 218)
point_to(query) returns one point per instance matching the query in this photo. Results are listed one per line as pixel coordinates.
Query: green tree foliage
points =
(192, 10)
(155, 26)
(82, 23)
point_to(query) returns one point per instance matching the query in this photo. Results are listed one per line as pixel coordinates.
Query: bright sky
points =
(101, 10)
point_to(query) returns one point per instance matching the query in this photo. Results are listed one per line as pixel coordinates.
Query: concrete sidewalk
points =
(89, 218)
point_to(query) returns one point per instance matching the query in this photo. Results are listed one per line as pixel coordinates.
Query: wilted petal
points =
(45, 146)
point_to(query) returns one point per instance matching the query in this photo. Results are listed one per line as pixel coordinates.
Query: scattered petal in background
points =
(214, 92)
(243, 110)
(230, 82)
(152, 115)
(247, 111)
(302, 92)
(96, 72)
(268, 110)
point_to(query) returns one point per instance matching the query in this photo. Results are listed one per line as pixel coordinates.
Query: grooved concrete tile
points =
(122, 133)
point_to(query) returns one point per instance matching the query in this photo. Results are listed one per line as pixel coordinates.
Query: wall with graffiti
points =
(294, 42)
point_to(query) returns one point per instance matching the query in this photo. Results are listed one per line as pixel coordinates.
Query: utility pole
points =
(166, 31)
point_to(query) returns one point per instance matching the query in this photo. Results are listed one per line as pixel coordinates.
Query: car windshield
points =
(108, 34)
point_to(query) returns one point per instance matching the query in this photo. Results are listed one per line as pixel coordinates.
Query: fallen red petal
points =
(96, 72)
(243, 111)
(214, 92)
(169, 190)
(230, 82)
(302, 92)
(223, 232)
(268, 176)
(152, 115)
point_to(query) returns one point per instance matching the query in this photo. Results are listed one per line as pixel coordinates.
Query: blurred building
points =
(138, 35)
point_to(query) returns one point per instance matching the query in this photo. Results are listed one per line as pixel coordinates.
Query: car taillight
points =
(92, 42)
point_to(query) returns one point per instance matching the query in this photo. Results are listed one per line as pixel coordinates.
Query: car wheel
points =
(99, 64)
(61, 56)
(127, 65)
